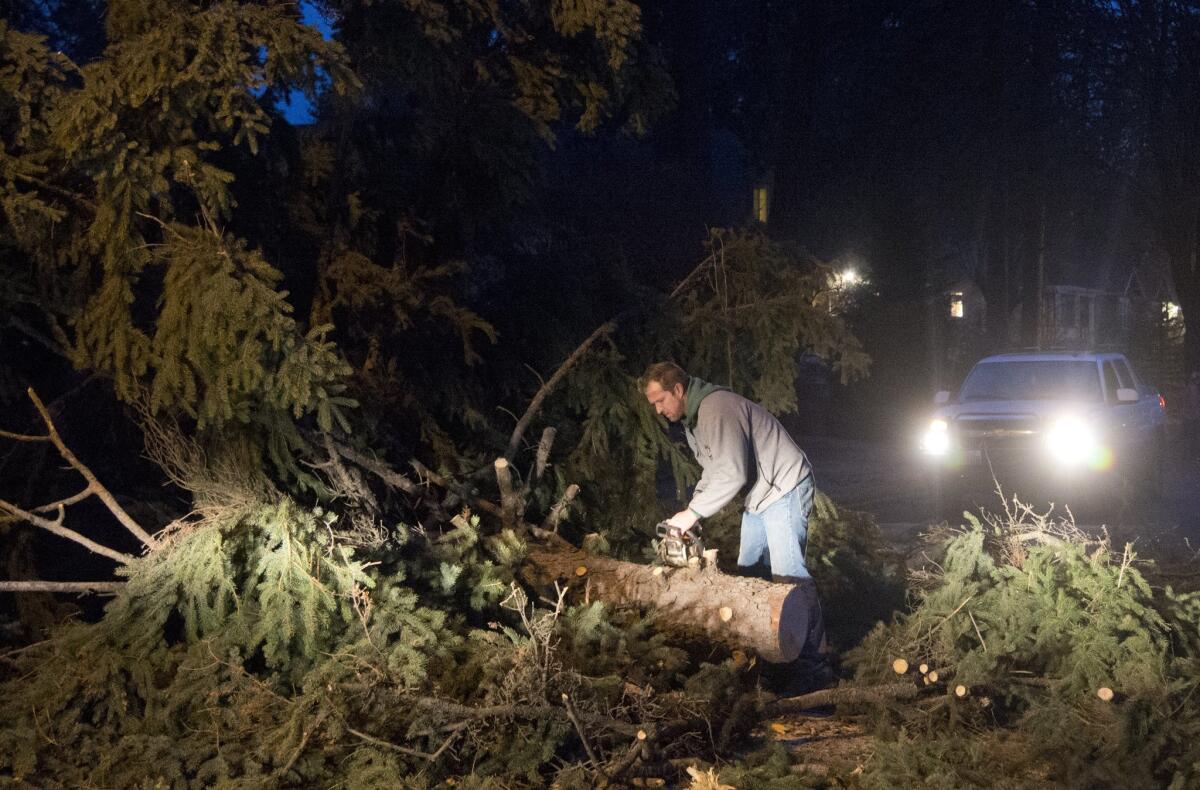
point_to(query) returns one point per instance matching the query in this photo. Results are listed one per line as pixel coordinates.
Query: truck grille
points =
(999, 435)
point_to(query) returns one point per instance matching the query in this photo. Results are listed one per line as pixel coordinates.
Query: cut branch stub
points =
(510, 502)
(559, 511)
(543, 451)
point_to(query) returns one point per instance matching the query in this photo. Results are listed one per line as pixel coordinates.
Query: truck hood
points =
(1026, 409)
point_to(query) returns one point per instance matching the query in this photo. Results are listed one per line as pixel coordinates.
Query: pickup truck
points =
(1073, 428)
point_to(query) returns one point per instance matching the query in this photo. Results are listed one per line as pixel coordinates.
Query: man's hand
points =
(683, 520)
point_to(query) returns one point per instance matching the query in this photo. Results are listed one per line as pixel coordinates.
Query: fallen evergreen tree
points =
(317, 615)
(1034, 655)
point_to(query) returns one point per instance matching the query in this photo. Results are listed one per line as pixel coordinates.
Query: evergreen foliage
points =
(1032, 617)
(743, 318)
(299, 626)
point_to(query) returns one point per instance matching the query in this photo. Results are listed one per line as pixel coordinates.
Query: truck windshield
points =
(1040, 380)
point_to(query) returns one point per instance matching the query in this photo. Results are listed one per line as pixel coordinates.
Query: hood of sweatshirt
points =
(697, 390)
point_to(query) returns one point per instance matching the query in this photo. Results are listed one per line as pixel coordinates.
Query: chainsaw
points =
(676, 547)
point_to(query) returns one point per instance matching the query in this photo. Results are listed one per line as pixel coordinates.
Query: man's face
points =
(669, 403)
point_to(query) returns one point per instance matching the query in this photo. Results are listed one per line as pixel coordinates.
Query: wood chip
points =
(726, 614)
(658, 571)
(1105, 693)
(899, 666)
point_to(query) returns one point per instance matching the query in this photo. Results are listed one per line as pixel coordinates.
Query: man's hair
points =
(667, 374)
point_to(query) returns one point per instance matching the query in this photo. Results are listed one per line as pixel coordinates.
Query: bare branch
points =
(57, 528)
(388, 744)
(436, 479)
(574, 717)
(844, 695)
(94, 484)
(536, 404)
(20, 437)
(71, 500)
(543, 451)
(378, 468)
(36, 585)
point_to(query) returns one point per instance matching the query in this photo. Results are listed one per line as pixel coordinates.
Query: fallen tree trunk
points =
(771, 619)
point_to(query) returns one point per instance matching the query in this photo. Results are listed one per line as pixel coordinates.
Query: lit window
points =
(760, 204)
(1172, 310)
(956, 304)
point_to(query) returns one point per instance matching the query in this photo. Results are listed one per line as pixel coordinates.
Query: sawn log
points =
(773, 620)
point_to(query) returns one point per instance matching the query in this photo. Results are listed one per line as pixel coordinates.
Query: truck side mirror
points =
(1127, 395)
(944, 396)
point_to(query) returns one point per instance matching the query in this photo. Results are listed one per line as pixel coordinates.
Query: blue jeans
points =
(781, 532)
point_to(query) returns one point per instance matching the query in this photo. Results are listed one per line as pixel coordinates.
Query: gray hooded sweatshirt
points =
(737, 443)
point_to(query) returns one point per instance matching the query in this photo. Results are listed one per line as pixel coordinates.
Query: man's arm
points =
(723, 450)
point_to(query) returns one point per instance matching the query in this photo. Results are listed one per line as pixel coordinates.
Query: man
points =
(739, 444)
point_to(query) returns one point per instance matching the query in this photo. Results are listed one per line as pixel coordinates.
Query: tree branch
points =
(536, 404)
(543, 451)
(37, 585)
(574, 717)
(94, 484)
(57, 528)
(509, 501)
(560, 508)
(844, 695)
(435, 478)
(388, 744)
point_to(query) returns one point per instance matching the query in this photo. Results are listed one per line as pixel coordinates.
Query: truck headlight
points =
(1072, 441)
(936, 440)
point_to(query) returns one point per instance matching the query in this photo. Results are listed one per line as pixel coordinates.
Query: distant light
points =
(1173, 310)
(850, 277)
(956, 305)
(762, 204)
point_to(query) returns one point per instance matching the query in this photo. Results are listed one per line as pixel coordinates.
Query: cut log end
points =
(726, 614)
(581, 570)
(899, 666)
(1105, 693)
(960, 691)
(924, 668)
(933, 676)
